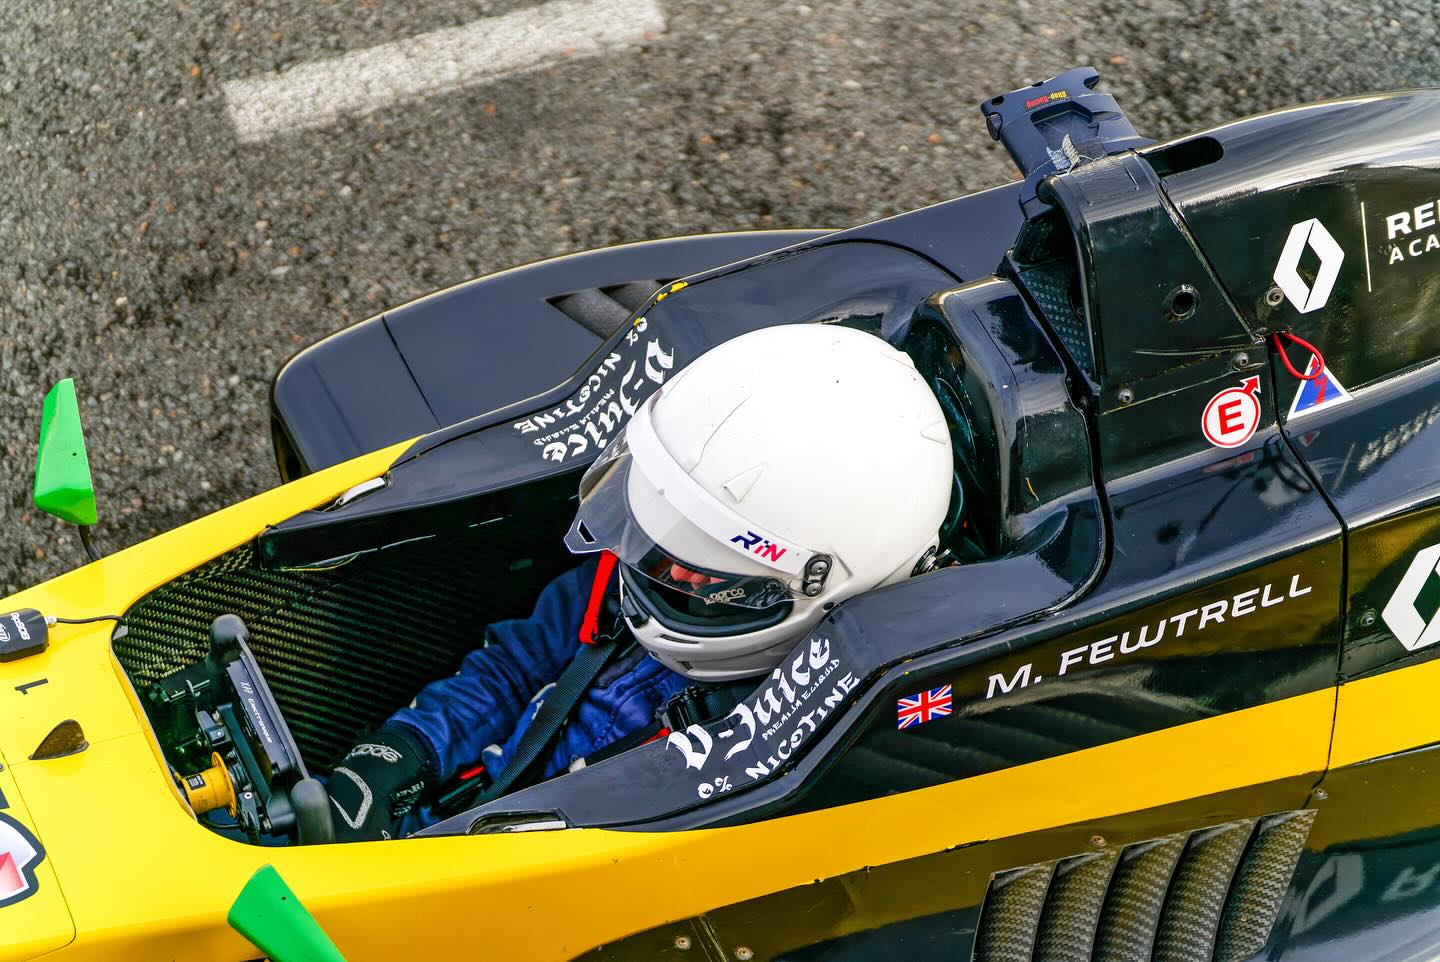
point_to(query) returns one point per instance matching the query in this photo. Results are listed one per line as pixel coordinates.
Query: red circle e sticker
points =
(1231, 417)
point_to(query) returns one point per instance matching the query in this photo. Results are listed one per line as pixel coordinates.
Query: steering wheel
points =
(261, 778)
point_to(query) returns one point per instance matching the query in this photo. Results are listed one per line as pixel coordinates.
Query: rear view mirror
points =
(62, 470)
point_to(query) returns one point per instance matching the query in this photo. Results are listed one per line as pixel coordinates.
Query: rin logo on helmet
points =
(757, 545)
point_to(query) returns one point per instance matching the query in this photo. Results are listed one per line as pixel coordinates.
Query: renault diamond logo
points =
(1412, 628)
(1313, 234)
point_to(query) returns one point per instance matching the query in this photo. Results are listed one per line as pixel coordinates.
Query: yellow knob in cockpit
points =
(211, 789)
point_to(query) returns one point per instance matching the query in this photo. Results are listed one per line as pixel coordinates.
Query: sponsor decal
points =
(1149, 634)
(383, 752)
(1317, 392)
(1401, 614)
(1231, 417)
(761, 547)
(593, 415)
(1044, 99)
(1066, 157)
(1411, 233)
(766, 729)
(922, 707)
(715, 786)
(1302, 296)
(20, 853)
(721, 597)
(252, 709)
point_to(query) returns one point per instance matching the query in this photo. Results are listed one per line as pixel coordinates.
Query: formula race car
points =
(1174, 699)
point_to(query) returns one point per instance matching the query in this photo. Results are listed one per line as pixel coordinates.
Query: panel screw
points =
(1241, 361)
(1367, 619)
(682, 942)
(1126, 395)
(744, 953)
(1321, 794)
(1274, 296)
(1097, 840)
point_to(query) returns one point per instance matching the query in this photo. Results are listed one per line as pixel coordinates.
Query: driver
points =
(777, 475)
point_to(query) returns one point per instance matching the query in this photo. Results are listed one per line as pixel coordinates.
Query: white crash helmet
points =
(780, 473)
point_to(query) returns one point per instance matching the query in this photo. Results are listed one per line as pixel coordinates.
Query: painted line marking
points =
(319, 93)
(1365, 242)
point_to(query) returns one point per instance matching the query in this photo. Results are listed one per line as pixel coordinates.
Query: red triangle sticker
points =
(11, 881)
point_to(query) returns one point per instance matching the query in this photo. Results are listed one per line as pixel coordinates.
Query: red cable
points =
(591, 625)
(1319, 361)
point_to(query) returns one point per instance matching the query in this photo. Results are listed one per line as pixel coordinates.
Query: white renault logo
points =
(1412, 628)
(1305, 298)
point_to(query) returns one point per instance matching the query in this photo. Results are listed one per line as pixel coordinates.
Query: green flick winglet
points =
(62, 470)
(269, 915)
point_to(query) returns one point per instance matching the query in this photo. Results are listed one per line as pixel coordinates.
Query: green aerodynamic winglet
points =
(62, 470)
(268, 914)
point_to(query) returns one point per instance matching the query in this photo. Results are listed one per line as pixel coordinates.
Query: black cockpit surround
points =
(1038, 542)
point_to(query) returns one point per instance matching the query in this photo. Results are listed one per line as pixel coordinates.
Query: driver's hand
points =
(375, 785)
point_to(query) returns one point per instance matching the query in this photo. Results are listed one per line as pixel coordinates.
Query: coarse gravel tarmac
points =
(171, 269)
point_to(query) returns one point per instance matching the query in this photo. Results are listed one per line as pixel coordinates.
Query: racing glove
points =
(375, 785)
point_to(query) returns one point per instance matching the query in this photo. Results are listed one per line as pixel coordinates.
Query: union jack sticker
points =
(923, 707)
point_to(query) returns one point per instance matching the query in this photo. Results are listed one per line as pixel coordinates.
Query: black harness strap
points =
(554, 712)
(595, 653)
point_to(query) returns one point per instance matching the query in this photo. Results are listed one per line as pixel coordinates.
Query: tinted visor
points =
(696, 615)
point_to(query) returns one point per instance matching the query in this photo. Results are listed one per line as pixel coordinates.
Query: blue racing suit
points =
(479, 714)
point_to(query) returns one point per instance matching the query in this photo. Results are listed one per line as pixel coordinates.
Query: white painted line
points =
(317, 94)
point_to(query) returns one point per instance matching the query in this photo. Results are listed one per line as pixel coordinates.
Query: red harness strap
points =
(591, 625)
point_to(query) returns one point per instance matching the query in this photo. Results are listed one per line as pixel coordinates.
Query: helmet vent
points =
(740, 485)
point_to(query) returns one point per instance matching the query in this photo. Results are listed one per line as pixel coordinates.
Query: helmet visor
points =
(606, 522)
(767, 571)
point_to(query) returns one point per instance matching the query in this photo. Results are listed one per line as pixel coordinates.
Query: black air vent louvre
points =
(600, 310)
(1212, 894)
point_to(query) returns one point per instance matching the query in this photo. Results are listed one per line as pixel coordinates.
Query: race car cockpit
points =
(351, 607)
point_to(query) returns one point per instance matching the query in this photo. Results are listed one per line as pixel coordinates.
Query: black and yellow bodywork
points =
(1190, 687)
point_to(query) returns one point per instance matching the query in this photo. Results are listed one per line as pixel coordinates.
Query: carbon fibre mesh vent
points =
(1018, 898)
(1213, 894)
(1260, 884)
(1197, 894)
(600, 310)
(1067, 931)
(330, 641)
(1050, 285)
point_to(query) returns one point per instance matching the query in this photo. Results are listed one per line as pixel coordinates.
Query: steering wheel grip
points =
(313, 824)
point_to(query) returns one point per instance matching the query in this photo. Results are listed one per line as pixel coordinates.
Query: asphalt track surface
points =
(170, 267)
